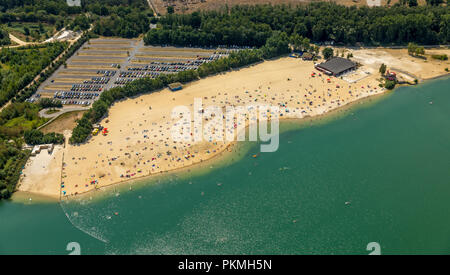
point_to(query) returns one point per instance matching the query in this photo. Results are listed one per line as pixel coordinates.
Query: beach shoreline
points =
(295, 71)
(225, 155)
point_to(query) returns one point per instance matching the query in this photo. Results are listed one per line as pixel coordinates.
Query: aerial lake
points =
(378, 171)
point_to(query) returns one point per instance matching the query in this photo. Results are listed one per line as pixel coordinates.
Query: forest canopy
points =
(20, 65)
(125, 18)
(320, 22)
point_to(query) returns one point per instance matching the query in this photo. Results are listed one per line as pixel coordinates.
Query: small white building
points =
(37, 149)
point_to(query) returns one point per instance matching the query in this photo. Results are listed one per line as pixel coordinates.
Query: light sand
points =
(42, 173)
(139, 141)
(399, 60)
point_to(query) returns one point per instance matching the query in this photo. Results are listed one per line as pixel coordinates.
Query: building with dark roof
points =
(175, 86)
(336, 66)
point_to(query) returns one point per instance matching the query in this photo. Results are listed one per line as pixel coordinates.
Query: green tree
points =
(420, 51)
(435, 2)
(389, 84)
(412, 3)
(412, 47)
(327, 53)
(382, 69)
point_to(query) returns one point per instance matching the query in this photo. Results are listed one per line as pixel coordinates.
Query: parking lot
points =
(101, 64)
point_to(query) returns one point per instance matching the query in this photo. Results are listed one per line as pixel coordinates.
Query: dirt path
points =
(17, 40)
(63, 110)
(153, 7)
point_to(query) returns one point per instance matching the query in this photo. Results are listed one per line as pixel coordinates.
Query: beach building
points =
(307, 56)
(37, 149)
(175, 86)
(336, 66)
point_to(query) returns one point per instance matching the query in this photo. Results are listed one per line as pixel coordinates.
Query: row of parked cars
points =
(106, 73)
(164, 68)
(75, 102)
(97, 80)
(123, 81)
(86, 88)
(138, 74)
(174, 67)
(75, 95)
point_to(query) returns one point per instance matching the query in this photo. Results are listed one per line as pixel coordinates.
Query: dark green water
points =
(390, 159)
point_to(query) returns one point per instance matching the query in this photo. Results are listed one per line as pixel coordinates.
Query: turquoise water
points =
(389, 158)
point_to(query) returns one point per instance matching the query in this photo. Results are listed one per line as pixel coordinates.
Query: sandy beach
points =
(43, 173)
(139, 141)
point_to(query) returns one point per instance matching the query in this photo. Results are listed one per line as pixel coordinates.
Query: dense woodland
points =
(124, 22)
(320, 22)
(19, 66)
(125, 18)
(14, 121)
(4, 37)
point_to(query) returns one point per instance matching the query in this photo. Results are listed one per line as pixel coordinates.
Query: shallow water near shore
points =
(375, 172)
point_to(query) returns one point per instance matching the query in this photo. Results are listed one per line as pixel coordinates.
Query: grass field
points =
(18, 29)
(65, 121)
(25, 123)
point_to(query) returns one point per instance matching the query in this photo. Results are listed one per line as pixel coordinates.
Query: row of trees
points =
(35, 137)
(253, 25)
(12, 159)
(49, 103)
